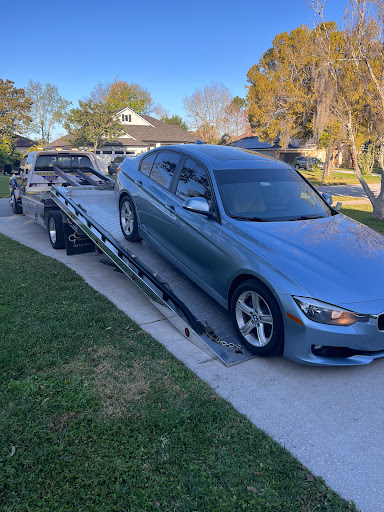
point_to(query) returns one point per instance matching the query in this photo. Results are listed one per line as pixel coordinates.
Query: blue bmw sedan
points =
(298, 277)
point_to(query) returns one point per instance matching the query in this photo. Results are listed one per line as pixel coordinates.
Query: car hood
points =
(337, 259)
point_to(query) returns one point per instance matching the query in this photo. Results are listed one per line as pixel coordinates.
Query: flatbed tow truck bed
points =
(194, 313)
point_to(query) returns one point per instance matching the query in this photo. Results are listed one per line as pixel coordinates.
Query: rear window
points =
(164, 167)
(47, 162)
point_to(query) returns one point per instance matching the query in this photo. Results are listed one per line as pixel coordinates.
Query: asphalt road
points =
(349, 190)
(331, 419)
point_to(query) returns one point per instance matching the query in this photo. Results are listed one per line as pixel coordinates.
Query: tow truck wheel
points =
(257, 319)
(128, 220)
(56, 230)
(16, 206)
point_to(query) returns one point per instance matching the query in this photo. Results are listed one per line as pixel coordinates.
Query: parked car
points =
(304, 162)
(296, 275)
(113, 166)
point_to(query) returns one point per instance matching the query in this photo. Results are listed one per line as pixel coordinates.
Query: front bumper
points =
(327, 345)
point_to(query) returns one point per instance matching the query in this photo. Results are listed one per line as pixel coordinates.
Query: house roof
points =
(159, 132)
(257, 145)
(156, 132)
(62, 141)
(24, 142)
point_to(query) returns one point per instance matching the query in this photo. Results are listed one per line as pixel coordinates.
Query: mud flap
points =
(76, 243)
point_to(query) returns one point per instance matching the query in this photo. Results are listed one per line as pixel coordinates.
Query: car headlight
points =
(324, 313)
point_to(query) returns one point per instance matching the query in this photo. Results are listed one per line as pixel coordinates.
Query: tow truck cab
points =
(30, 189)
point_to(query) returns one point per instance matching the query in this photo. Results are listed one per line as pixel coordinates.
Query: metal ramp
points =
(195, 314)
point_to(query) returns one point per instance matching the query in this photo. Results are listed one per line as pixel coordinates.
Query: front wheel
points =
(16, 206)
(128, 220)
(297, 167)
(257, 319)
(56, 230)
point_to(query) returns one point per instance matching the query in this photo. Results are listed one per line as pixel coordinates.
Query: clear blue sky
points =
(171, 48)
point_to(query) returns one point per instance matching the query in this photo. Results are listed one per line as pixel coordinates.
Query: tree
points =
(121, 94)
(15, 109)
(280, 92)
(92, 124)
(236, 123)
(207, 109)
(159, 111)
(48, 109)
(358, 78)
(291, 91)
(175, 120)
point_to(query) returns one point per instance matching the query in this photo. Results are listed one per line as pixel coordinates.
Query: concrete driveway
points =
(331, 419)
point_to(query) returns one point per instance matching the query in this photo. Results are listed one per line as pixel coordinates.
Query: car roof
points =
(227, 157)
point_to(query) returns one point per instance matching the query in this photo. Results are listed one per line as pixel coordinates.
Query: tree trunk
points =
(328, 164)
(378, 207)
(355, 162)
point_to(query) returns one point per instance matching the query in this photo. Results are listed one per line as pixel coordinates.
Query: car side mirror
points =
(197, 205)
(328, 198)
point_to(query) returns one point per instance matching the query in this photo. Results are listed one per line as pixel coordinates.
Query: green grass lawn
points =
(363, 213)
(4, 186)
(97, 416)
(338, 178)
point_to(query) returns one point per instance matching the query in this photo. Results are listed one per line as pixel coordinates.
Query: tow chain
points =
(212, 336)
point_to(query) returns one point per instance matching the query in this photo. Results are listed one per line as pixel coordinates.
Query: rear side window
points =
(193, 182)
(164, 167)
(146, 164)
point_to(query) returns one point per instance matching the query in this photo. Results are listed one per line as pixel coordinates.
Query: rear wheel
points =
(257, 319)
(16, 205)
(56, 230)
(128, 220)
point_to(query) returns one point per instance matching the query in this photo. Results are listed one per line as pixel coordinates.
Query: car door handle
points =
(171, 207)
(139, 183)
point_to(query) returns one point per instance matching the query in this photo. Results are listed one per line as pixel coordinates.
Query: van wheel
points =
(16, 206)
(128, 220)
(257, 319)
(56, 230)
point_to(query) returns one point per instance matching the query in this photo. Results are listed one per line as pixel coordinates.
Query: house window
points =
(119, 152)
(97, 152)
(127, 117)
(107, 152)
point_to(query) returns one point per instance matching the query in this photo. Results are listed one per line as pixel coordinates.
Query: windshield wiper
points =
(255, 219)
(307, 217)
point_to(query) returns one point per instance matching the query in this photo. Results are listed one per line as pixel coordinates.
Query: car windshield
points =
(46, 162)
(269, 195)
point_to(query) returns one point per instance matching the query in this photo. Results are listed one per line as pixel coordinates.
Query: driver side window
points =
(193, 182)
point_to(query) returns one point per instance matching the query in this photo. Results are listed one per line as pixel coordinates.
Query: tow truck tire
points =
(16, 206)
(128, 220)
(56, 230)
(257, 319)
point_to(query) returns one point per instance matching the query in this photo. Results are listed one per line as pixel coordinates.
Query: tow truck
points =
(67, 194)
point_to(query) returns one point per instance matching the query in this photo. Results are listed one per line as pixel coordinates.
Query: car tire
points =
(297, 167)
(128, 220)
(16, 206)
(56, 230)
(257, 319)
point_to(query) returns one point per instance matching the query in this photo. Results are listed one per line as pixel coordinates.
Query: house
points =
(22, 144)
(142, 133)
(294, 149)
